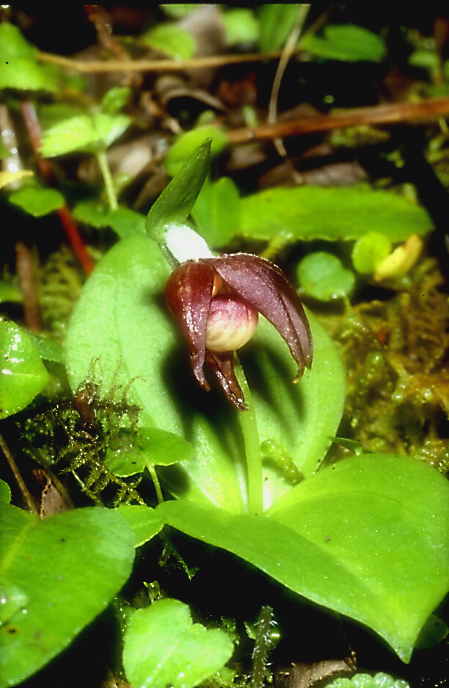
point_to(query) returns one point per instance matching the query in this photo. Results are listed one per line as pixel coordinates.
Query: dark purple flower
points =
(217, 302)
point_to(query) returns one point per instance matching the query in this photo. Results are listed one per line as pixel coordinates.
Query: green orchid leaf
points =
(92, 133)
(216, 211)
(121, 318)
(366, 537)
(163, 647)
(171, 40)
(37, 201)
(322, 276)
(23, 374)
(177, 200)
(311, 212)
(60, 573)
(145, 522)
(347, 43)
(123, 221)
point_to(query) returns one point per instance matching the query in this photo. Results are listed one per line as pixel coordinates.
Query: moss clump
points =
(397, 360)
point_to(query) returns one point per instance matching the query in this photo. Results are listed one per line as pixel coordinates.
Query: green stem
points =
(157, 485)
(107, 177)
(248, 423)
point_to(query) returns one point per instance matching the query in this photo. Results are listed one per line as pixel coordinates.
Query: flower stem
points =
(107, 178)
(248, 423)
(157, 485)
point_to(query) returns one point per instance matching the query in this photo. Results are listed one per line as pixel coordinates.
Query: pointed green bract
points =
(177, 200)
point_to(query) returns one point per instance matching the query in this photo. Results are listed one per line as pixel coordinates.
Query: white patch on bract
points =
(183, 244)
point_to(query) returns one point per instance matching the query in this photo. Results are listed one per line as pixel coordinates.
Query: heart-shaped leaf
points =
(59, 574)
(37, 201)
(23, 374)
(93, 133)
(366, 537)
(144, 521)
(163, 647)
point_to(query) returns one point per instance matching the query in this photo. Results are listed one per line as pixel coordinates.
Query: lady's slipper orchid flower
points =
(217, 302)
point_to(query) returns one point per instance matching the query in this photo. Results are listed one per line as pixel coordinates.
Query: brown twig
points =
(432, 108)
(31, 506)
(70, 227)
(90, 66)
(287, 52)
(28, 285)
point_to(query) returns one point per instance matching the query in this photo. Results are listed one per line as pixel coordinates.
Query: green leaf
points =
(123, 221)
(369, 251)
(361, 680)
(13, 45)
(177, 200)
(66, 568)
(186, 146)
(115, 99)
(216, 211)
(241, 26)
(28, 76)
(164, 648)
(5, 492)
(276, 23)
(48, 349)
(37, 201)
(171, 40)
(18, 66)
(322, 276)
(145, 522)
(90, 133)
(366, 537)
(10, 292)
(23, 374)
(311, 212)
(121, 318)
(346, 42)
(154, 447)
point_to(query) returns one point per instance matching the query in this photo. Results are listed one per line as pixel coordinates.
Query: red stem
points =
(70, 227)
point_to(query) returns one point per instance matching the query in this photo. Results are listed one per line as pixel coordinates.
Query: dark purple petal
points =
(267, 289)
(222, 365)
(189, 292)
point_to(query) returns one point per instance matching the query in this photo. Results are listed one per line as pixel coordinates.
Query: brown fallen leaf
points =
(304, 675)
(51, 501)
